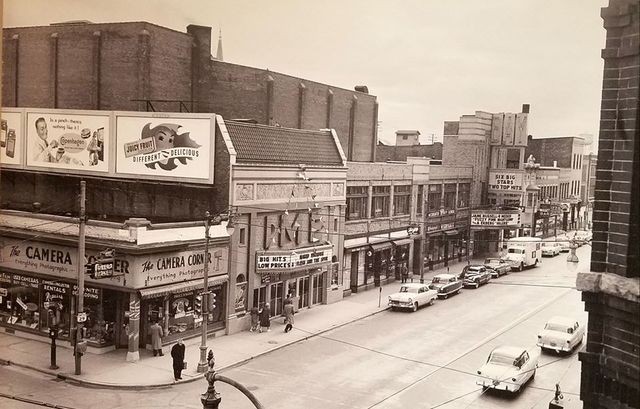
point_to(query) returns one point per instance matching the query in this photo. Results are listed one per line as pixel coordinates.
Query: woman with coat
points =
(265, 317)
(177, 353)
(156, 338)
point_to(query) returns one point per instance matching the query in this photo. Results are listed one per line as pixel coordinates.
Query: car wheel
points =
(536, 263)
(477, 285)
(533, 375)
(431, 301)
(521, 267)
(415, 306)
(445, 296)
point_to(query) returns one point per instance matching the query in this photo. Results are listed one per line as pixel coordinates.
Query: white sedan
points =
(508, 368)
(551, 248)
(412, 296)
(561, 334)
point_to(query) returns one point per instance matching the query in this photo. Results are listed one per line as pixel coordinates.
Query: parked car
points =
(508, 368)
(474, 275)
(445, 285)
(565, 244)
(412, 296)
(551, 248)
(497, 266)
(561, 334)
(583, 237)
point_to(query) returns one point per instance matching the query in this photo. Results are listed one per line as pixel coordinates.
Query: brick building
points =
(139, 66)
(611, 291)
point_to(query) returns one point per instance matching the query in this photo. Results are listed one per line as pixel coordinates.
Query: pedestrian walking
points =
(405, 273)
(156, 338)
(177, 353)
(265, 317)
(255, 318)
(288, 316)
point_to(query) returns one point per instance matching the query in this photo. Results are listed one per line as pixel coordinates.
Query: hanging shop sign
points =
(505, 181)
(413, 230)
(495, 219)
(293, 260)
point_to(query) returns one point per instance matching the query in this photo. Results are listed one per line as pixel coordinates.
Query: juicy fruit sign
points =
(175, 147)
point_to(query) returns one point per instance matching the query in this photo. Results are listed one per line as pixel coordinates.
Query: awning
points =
(451, 232)
(402, 242)
(380, 246)
(181, 287)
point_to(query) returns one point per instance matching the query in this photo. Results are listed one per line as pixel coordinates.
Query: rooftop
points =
(276, 145)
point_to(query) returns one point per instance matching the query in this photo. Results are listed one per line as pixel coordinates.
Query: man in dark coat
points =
(177, 353)
(288, 316)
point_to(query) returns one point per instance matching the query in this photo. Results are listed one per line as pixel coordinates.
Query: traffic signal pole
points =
(81, 272)
(203, 365)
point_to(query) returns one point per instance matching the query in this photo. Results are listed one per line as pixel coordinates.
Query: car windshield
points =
(501, 359)
(556, 327)
(437, 280)
(516, 251)
(547, 244)
(408, 290)
(492, 261)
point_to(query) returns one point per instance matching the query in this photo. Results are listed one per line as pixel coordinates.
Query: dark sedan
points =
(497, 266)
(475, 275)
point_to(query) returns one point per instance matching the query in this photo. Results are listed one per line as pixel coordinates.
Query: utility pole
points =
(79, 350)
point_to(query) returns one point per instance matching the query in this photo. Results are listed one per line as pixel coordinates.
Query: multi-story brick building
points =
(140, 66)
(611, 291)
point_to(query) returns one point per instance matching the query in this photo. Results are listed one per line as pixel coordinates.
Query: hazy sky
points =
(427, 61)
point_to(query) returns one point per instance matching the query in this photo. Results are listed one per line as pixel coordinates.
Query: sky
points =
(426, 61)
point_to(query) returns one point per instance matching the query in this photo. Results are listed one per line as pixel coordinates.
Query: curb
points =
(104, 385)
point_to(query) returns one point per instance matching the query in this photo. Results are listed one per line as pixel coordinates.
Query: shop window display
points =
(21, 303)
(56, 299)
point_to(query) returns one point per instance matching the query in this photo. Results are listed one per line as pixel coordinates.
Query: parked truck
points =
(523, 252)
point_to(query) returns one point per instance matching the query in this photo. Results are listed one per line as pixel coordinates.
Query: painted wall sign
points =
(68, 141)
(495, 219)
(505, 181)
(165, 268)
(11, 138)
(172, 146)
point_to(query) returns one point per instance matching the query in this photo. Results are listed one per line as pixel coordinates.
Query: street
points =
(395, 359)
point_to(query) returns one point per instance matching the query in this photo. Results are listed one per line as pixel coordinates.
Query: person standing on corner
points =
(177, 353)
(288, 316)
(156, 338)
(265, 318)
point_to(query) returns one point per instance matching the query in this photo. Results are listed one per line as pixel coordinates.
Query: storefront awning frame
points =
(402, 242)
(154, 292)
(381, 246)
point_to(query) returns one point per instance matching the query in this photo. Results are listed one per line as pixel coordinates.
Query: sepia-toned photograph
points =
(295, 204)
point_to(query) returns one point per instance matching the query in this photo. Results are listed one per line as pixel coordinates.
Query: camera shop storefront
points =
(170, 287)
(302, 273)
(38, 286)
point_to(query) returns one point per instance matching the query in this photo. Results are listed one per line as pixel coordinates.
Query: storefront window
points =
(56, 299)
(241, 293)
(22, 302)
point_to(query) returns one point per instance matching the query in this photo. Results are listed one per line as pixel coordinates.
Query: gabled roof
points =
(276, 145)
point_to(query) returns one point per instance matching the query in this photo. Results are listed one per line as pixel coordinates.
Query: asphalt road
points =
(395, 359)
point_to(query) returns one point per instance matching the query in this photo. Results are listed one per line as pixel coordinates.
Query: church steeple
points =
(219, 51)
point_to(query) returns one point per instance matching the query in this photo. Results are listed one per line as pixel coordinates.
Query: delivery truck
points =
(523, 252)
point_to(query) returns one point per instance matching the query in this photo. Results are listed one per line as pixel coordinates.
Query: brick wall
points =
(611, 291)
(547, 150)
(400, 153)
(464, 153)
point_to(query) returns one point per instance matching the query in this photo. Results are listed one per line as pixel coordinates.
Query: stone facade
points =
(611, 360)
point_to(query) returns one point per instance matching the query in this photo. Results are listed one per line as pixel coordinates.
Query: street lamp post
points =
(209, 220)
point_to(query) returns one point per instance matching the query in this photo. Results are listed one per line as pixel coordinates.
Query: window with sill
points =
(357, 202)
(513, 158)
(401, 200)
(419, 200)
(450, 196)
(434, 197)
(464, 190)
(380, 201)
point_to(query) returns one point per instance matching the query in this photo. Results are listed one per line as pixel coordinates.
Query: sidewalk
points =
(112, 370)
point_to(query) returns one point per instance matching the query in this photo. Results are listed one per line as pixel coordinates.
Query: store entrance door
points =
(303, 292)
(276, 297)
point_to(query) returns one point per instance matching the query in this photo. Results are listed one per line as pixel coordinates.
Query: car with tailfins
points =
(508, 368)
(412, 296)
(474, 275)
(446, 285)
(561, 334)
(498, 266)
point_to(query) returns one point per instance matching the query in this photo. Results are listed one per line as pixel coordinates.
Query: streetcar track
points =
(34, 401)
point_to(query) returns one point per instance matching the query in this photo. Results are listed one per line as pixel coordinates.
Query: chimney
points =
(525, 108)
(362, 88)
(555, 163)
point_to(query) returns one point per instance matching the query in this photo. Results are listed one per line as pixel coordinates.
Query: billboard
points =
(69, 141)
(11, 138)
(504, 181)
(170, 146)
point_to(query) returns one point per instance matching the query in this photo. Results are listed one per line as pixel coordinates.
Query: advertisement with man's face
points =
(10, 138)
(164, 147)
(68, 141)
